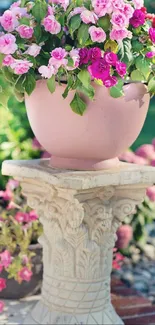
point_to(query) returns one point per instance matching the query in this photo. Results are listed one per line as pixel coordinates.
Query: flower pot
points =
(92, 141)
(14, 290)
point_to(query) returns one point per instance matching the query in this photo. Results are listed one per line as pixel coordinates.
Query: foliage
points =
(77, 41)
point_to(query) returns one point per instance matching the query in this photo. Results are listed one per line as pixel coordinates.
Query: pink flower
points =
(9, 21)
(94, 54)
(74, 54)
(47, 71)
(117, 261)
(152, 163)
(111, 58)
(45, 155)
(121, 68)
(76, 11)
(8, 60)
(119, 20)
(1, 306)
(97, 34)
(5, 258)
(62, 3)
(118, 5)
(140, 160)
(151, 193)
(6, 195)
(127, 156)
(118, 34)
(111, 81)
(21, 217)
(138, 4)
(36, 144)
(12, 184)
(58, 57)
(21, 66)
(15, 4)
(33, 216)
(102, 7)
(99, 69)
(138, 18)
(50, 11)
(51, 25)
(25, 274)
(33, 50)
(128, 10)
(2, 284)
(152, 34)
(146, 151)
(84, 55)
(150, 55)
(25, 31)
(124, 236)
(8, 44)
(88, 17)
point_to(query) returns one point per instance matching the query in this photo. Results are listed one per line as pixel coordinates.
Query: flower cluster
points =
(19, 227)
(110, 42)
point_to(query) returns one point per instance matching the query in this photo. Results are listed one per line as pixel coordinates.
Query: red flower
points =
(2, 284)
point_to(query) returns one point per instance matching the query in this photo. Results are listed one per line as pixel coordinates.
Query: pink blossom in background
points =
(139, 160)
(94, 54)
(45, 155)
(6, 195)
(102, 7)
(36, 144)
(21, 66)
(110, 58)
(33, 50)
(50, 11)
(8, 60)
(88, 17)
(121, 68)
(58, 57)
(9, 21)
(110, 81)
(146, 151)
(12, 184)
(119, 20)
(33, 216)
(63, 3)
(152, 163)
(97, 34)
(150, 55)
(25, 31)
(22, 217)
(127, 156)
(118, 5)
(128, 10)
(138, 18)
(8, 44)
(138, 3)
(152, 34)
(1, 306)
(51, 25)
(46, 71)
(25, 274)
(74, 54)
(2, 284)
(118, 259)
(84, 55)
(151, 193)
(25, 259)
(118, 34)
(5, 259)
(76, 11)
(124, 236)
(11, 206)
(15, 4)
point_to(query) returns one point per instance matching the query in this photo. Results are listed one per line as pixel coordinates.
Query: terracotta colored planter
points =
(14, 290)
(108, 127)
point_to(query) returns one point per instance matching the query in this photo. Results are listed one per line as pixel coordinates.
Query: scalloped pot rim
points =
(108, 127)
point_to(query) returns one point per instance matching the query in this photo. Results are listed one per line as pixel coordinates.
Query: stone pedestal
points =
(80, 213)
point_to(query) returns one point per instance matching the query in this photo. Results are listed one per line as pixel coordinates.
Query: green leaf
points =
(137, 46)
(104, 22)
(69, 86)
(8, 75)
(128, 55)
(29, 84)
(84, 77)
(117, 91)
(38, 33)
(83, 34)
(78, 105)
(19, 85)
(70, 62)
(39, 10)
(137, 76)
(51, 84)
(89, 92)
(151, 85)
(143, 65)
(2, 56)
(74, 23)
(24, 21)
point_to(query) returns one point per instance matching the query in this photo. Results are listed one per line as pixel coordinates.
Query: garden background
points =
(19, 226)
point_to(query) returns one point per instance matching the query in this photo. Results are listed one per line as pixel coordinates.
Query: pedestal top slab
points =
(39, 169)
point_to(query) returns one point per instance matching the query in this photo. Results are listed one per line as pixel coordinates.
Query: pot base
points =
(85, 164)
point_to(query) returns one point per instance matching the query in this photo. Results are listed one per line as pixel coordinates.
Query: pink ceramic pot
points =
(94, 140)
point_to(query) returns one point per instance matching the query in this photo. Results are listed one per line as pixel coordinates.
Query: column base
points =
(42, 315)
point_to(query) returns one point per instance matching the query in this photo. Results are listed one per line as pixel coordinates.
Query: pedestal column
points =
(80, 213)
